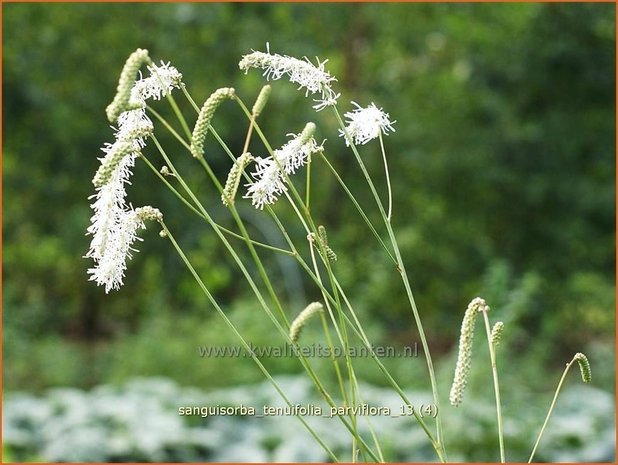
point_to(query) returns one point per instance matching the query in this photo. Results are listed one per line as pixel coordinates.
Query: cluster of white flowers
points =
(365, 124)
(159, 84)
(302, 72)
(114, 224)
(269, 181)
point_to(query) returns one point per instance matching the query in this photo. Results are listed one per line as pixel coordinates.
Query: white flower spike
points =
(114, 224)
(162, 80)
(365, 124)
(315, 79)
(269, 181)
(109, 271)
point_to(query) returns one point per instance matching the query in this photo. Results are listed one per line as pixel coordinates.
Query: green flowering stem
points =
(585, 372)
(370, 424)
(344, 344)
(244, 343)
(258, 106)
(494, 370)
(311, 227)
(340, 328)
(388, 179)
(309, 369)
(259, 244)
(436, 444)
(402, 271)
(344, 336)
(170, 187)
(298, 257)
(331, 347)
(205, 215)
(261, 269)
(356, 327)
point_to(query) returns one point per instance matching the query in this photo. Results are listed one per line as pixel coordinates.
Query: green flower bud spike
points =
(496, 333)
(261, 101)
(121, 102)
(307, 133)
(319, 241)
(205, 117)
(330, 254)
(233, 179)
(301, 320)
(110, 162)
(584, 367)
(464, 357)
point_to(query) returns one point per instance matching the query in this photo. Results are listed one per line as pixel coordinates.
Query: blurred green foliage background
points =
(502, 168)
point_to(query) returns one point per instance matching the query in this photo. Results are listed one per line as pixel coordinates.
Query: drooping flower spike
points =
(233, 178)
(464, 356)
(205, 117)
(126, 82)
(313, 78)
(114, 224)
(303, 318)
(109, 271)
(584, 367)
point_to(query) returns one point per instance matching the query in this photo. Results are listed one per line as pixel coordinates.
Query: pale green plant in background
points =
(269, 177)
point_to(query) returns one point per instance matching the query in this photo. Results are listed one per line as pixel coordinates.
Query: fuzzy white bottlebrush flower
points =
(114, 224)
(314, 79)
(162, 80)
(365, 124)
(108, 207)
(111, 177)
(269, 180)
(109, 271)
(268, 184)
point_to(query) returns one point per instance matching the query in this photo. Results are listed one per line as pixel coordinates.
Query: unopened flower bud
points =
(125, 84)
(205, 117)
(261, 101)
(301, 320)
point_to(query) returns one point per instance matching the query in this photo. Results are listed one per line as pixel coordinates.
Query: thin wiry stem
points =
(551, 408)
(343, 335)
(356, 326)
(179, 115)
(358, 207)
(402, 271)
(437, 444)
(242, 340)
(494, 371)
(169, 127)
(308, 185)
(194, 210)
(388, 180)
(340, 333)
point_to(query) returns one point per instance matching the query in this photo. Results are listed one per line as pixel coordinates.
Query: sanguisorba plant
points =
(265, 178)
